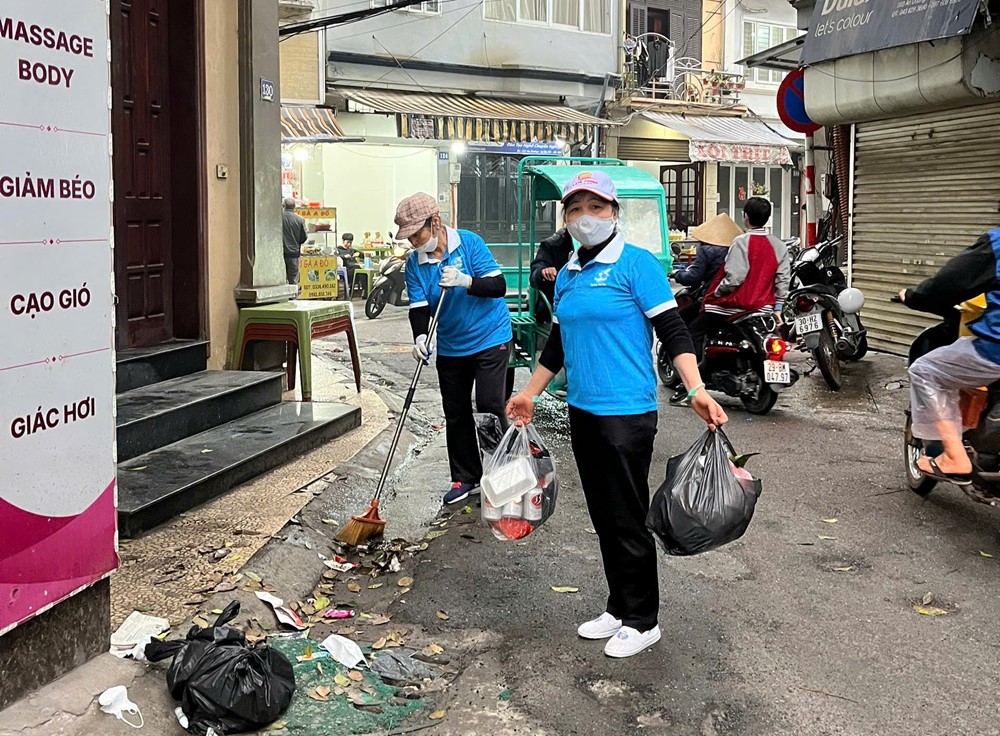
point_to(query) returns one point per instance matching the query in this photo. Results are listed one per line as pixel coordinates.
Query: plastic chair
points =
(296, 324)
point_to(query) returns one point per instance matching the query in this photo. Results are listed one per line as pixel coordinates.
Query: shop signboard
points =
(739, 153)
(318, 277)
(317, 213)
(57, 427)
(841, 28)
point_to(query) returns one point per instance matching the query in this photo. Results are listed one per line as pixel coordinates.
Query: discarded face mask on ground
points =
(519, 484)
(706, 500)
(115, 701)
(224, 685)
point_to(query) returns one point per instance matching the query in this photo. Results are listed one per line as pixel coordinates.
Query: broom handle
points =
(408, 401)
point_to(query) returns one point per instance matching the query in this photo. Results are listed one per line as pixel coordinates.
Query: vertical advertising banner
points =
(57, 426)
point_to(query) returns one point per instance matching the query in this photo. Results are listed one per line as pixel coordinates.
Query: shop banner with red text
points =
(57, 426)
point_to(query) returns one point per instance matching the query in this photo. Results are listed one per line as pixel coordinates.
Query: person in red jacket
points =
(756, 276)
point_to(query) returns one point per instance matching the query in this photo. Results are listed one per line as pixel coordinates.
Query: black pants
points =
(701, 327)
(613, 455)
(292, 269)
(488, 372)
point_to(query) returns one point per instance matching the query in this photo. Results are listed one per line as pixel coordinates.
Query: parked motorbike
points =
(981, 414)
(823, 312)
(389, 287)
(744, 358)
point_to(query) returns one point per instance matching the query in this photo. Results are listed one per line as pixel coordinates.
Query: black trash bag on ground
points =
(223, 684)
(704, 503)
(489, 431)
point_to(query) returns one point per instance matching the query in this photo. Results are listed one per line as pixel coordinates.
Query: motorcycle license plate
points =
(808, 323)
(777, 371)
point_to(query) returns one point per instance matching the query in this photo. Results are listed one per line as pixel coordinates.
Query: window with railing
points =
(592, 16)
(427, 6)
(759, 37)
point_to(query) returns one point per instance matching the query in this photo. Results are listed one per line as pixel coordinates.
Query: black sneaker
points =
(460, 491)
(680, 398)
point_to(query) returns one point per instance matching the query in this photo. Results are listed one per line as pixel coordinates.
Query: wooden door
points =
(140, 121)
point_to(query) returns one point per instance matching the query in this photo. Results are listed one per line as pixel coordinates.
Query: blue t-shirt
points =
(604, 311)
(468, 324)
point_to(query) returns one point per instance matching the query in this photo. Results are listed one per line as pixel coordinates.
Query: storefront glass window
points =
(640, 221)
(725, 186)
(742, 188)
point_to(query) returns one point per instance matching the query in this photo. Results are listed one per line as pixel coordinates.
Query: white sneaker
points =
(628, 641)
(603, 627)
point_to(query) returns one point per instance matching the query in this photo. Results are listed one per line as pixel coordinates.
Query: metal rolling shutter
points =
(926, 187)
(651, 149)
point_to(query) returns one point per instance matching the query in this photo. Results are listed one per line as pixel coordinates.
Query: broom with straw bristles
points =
(369, 524)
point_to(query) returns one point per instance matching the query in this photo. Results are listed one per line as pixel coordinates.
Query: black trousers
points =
(701, 327)
(613, 455)
(292, 269)
(487, 371)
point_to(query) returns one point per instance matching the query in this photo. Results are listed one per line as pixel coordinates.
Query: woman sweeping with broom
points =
(473, 340)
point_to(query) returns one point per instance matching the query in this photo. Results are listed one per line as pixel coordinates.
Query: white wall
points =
(759, 97)
(365, 182)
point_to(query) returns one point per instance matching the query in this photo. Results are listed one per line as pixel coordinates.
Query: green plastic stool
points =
(369, 276)
(297, 323)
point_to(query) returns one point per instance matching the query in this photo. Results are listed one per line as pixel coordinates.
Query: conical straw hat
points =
(720, 230)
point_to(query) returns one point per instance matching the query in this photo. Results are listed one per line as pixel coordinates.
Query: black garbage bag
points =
(223, 684)
(489, 431)
(703, 504)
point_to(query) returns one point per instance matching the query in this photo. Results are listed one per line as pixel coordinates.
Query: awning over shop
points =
(847, 27)
(302, 124)
(470, 118)
(730, 139)
(783, 57)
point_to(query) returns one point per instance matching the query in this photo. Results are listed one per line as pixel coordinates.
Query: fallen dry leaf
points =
(276, 726)
(253, 576)
(431, 649)
(380, 644)
(404, 591)
(438, 715)
(443, 616)
(346, 631)
(381, 620)
(930, 611)
(355, 675)
(564, 589)
(354, 587)
(987, 555)
(405, 582)
(376, 586)
(323, 690)
(316, 696)
(824, 537)
(341, 680)
(927, 599)
(846, 568)
(829, 521)
(435, 534)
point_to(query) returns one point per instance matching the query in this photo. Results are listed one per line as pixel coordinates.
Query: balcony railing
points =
(653, 72)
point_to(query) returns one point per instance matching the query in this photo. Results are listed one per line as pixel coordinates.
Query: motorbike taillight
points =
(805, 303)
(776, 348)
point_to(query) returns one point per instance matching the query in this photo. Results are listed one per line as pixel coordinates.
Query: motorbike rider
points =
(970, 362)
(714, 238)
(756, 277)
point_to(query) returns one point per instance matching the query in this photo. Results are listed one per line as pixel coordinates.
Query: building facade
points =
(447, 100)
(918, 100)
(697, 120)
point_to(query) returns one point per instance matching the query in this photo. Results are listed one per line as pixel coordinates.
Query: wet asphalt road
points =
(781, 632)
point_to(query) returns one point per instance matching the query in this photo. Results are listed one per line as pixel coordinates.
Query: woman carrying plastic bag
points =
(609, 299)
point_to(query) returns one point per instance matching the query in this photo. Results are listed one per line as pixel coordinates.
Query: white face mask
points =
(590, 231)
(429, 247)
(115, 701)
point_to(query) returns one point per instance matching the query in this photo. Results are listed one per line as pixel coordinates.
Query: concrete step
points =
(162, 413)
(159, 485)
(137, 367)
